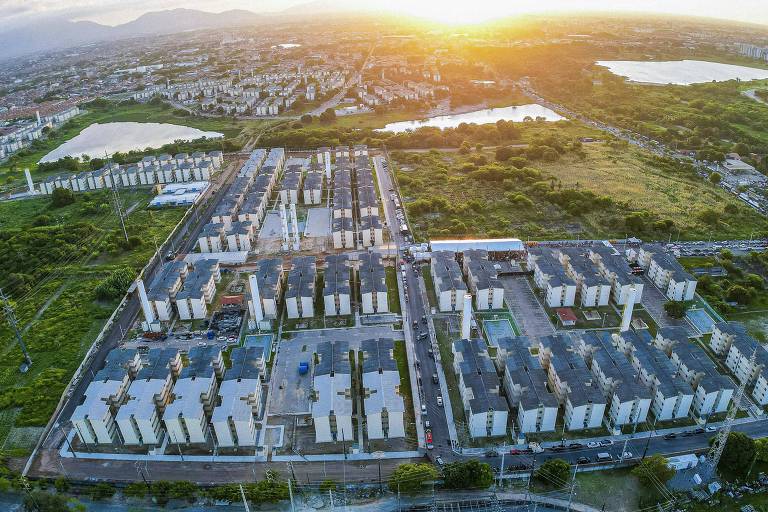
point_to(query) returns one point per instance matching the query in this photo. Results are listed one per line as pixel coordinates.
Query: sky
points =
(113, 12)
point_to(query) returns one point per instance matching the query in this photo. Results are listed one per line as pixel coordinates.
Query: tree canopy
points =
(409, 478)
(471, 474)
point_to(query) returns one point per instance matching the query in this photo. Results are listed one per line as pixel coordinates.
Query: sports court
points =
(700, 320)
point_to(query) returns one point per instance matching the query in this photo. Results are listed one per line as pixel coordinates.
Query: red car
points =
(429, 440)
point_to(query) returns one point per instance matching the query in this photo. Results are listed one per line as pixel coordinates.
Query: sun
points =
(455, 12)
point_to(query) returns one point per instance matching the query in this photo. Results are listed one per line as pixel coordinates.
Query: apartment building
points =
(572, 383)
(550, 277)
(615, 269)
(94, 419)
(482, 279)
(713, 391)
(313, 188)
(666, 273)
(269, 277)
(448, 282)
(384, 405)
(139, 417)
(198, 290)
(525, 384)
(373, 285)
(593, 289)
(186, 417)
(336, 290)
(211, 238)
(332, 393)
(628, 399)
(480, 388)
(300, 289)
(239, 400)
(672, 395)
(239, 236)
(745, 357)
(164, 287)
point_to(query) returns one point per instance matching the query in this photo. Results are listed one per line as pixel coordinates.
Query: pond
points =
(109, 138)
(516, 113)
(681, 72)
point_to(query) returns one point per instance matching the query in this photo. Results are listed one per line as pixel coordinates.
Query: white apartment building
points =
(373, 285)
(194, 396)
(666, 273)
(211, 238)
(300, 290)
(239, 399)
(166, 284)
(332, 393)
(572, 383)
(383, 403)
(480, 388)
(198, 290)
(615, 269)
(525, 385)
(336, 290)
(138, 418)
(94, 419)
(447, 280)
(483, 280)
(550, 277)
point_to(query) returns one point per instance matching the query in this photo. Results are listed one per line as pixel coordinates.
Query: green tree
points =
(761, 449)
(715, 177)
(653, 469)
(183, 490)
(409, 478)
(41, 501)
(465, 148)
(328, 116)
(62, 197)
(503, 153)
(328, 485)
(471, 474)
(555, 472)
(738, 453)
(102, 491)
(676, 308)
(738, 293)
(136, 490)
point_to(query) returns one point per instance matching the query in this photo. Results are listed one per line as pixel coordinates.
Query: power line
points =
(11, 316)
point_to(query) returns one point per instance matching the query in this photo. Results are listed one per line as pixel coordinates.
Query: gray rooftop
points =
(372, 273)
(301, 278)
(336, 275)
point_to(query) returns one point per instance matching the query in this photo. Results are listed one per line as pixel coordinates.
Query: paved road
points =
(415, 309)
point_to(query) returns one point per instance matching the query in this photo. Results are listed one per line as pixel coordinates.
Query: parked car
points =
(583, 460)
(574, 446)
(439, 461)
(626, 455)
(440, 401)
(423, 409)
(710, 429)
(593, 444)
(670, 436)
(606, 442)
(604, 457)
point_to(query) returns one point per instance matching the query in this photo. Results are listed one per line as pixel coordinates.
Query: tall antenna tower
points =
(718, 445)
(116, 201)
(11, 316)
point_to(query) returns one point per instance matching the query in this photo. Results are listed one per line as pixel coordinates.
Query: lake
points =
(489, 115)
(109, 138)
(681, 72)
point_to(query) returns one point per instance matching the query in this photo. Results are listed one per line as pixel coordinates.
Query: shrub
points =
(62, 197)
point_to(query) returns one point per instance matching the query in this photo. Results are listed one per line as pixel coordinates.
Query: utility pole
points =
(119, 209)
(290, 495)
(11, 316)
(245, 501)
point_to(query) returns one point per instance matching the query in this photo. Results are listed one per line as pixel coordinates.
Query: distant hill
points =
(43, 34)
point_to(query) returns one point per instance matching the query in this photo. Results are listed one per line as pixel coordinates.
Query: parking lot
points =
(291, 390)
(529, 314)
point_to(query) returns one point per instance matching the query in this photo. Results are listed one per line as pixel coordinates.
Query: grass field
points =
(393, 297)
(59, 313)
(618, 490)
(405, 388)
(597, 192)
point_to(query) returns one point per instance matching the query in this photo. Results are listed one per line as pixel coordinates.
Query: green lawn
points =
(405, 388)
(430, 285)
(618, 490)
(57, 309)
(393, 297)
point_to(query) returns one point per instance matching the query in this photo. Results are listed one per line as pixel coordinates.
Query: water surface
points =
(681, 72)
(516, 113)
(100, 139)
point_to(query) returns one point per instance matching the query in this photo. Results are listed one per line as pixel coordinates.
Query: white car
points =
(593, 444)
(440, 401)
(626, 455)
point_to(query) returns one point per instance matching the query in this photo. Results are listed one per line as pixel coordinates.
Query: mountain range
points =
(42, 34)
